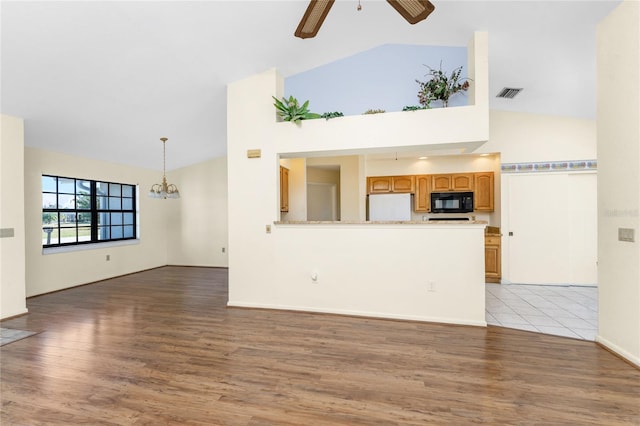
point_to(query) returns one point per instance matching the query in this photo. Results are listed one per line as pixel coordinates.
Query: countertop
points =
(381, 222)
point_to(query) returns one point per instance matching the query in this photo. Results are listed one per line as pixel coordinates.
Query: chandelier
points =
(164, 189)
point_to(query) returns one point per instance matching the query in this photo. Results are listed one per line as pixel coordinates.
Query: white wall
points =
(197, 221)
(279, 261)
(520, 137)
(618, 53)
(12, 249)
(55, 271)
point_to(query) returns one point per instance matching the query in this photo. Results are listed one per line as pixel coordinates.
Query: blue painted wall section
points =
(379, 78)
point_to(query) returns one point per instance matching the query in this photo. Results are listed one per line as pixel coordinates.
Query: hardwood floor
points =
(160, 347)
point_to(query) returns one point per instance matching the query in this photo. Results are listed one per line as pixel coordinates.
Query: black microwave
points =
(451, 202)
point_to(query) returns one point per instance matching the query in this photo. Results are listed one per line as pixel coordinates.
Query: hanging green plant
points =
(290, 109)
(440, 87)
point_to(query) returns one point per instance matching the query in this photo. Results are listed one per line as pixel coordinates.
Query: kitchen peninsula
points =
(405, 270)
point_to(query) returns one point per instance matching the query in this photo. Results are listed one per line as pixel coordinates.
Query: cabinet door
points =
(441, 183)
(284, 189)
(379, 184)
(484, 192)
(462, 182)
(403, 184)
(492, 263)
(422, 198)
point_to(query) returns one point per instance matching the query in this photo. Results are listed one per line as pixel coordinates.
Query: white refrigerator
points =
(390, 207)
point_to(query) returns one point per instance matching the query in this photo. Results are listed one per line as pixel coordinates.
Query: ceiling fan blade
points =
(313, 18)
(413, 11)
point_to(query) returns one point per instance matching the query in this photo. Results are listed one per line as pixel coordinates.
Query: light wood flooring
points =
(160, 348)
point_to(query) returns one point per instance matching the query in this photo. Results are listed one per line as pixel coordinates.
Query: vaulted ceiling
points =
(107, 79)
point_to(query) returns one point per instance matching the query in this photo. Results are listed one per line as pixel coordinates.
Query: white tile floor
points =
(570, 311)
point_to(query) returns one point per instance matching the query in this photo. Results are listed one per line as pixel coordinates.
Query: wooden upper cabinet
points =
(484, 192)
(440, 183)
(422, 198)
(378, 184)
(403, 184)
(388, 184)
(462, 182)
(452, 182)
(284, 189)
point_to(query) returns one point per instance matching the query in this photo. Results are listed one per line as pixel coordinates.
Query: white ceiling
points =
(107, 79)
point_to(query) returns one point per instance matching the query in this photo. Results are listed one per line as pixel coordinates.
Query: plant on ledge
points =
(440, 87)
(328, 115)
(374, 111)
(413, 108)
(290, 110)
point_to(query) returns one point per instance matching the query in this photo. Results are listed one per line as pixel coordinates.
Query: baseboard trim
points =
(618, 351)
(25, 312)
(359, 314)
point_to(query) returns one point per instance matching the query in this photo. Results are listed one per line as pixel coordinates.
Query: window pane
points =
(83, 202)
(84, 233)
(104, 233)
(49, 184)
(127, 204)
(116, 218)
(66, 186)
(49, 219)
(128, 218)
(127, 191)
(115, 203)
(83, 187)
(102, 203)
(66, 201)
(68, 235)
(102, 188)
(103, 219)
(49, 201)
(128, 231)
(84, 218)
(50, 236)
(116, 232)
(115, 190)
(67, 219)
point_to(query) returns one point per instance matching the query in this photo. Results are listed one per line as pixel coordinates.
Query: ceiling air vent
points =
(508, 92)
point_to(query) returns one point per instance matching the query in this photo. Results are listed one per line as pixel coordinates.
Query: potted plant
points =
(291, 110)
(441, 87)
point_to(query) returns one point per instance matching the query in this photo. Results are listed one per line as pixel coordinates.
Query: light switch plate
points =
(6, 232)
(626, 234)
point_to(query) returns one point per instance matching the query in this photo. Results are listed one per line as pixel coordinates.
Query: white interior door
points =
(539, 229)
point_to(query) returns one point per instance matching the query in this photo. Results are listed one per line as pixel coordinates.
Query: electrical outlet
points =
(267, 228)
(626, 234)
(431, 286)
(224, 249)
(108, 257)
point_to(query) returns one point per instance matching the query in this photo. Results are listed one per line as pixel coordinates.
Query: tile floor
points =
(570, 311)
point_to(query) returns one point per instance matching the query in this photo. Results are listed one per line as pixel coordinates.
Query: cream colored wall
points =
(50, 272)
(521, 137)
(279, 261)
(12, 249)
(197, 221)
(618, 56)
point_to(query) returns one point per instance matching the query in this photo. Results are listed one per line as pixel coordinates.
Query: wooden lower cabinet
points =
(492, 263)
(284, 189)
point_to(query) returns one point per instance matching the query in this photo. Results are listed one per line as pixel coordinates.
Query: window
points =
(81, 211)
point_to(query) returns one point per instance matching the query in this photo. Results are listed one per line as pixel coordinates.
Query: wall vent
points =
(508, 92)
